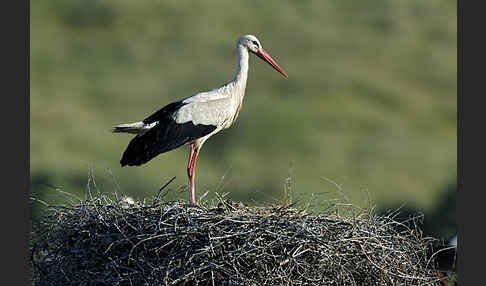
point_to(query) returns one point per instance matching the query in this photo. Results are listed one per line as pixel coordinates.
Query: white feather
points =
(135, 128)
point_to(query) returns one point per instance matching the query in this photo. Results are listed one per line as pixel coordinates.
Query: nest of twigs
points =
(103, 241)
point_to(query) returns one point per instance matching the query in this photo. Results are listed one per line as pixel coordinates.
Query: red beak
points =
(261, 53)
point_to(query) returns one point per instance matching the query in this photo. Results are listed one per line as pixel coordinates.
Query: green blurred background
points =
(370, 102)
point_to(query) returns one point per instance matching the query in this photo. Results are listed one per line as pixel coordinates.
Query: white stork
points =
(194, 119)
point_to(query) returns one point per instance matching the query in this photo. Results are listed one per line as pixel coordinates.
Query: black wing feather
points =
(165, 136)
(164, 112)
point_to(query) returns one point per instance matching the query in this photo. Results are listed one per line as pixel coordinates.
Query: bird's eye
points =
(255, 43)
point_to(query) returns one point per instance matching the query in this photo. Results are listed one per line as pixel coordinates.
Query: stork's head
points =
(253, 45)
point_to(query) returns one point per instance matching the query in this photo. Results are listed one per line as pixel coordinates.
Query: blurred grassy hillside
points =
(370, 102)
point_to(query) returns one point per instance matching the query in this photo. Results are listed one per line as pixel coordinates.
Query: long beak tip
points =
(261, 53)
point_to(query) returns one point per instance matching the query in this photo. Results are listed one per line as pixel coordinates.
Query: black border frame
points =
(470, 142)
(15, 20)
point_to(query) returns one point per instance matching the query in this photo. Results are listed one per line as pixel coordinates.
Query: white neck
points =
(239, 81)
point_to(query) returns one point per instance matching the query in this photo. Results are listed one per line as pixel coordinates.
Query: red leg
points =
(190, 172)
(189, 164)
